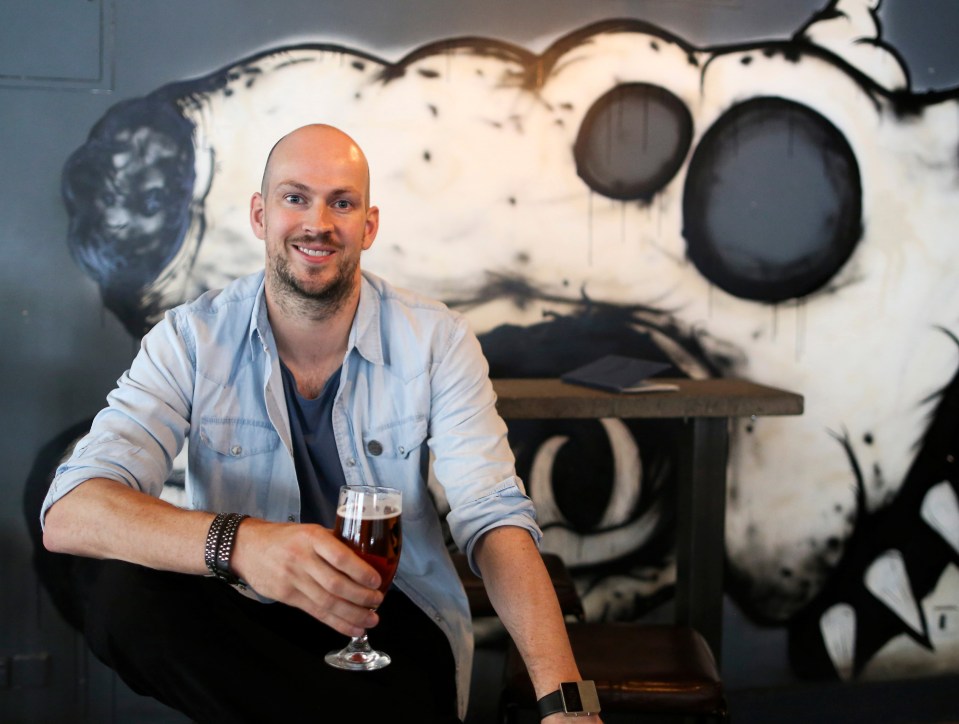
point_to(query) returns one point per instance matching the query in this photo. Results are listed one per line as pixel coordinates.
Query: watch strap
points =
(573, 698)
(550, 704)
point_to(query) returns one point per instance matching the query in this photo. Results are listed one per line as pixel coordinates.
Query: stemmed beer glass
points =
(368, 521)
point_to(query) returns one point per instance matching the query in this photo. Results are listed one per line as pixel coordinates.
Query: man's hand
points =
(300, 565)
(306, 566)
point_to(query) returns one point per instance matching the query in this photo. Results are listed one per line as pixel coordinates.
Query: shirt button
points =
(375, 447)
(291, 518)
(351, 462)
(236, 450)
(401, 449)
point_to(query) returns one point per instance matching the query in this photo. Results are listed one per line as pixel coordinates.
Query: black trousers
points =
(200, 647)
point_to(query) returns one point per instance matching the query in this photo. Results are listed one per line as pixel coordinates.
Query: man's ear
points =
(372, 226)
(256, 216)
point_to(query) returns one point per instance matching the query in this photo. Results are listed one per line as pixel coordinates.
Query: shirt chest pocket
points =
(238, 438)
(238, 454)
(393, 455)
(392, 444)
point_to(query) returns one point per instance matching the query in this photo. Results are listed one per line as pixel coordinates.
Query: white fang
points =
(838, 628)
(888, 581)
(940, 510)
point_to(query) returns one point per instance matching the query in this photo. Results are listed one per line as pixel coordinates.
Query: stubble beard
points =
(316, 304)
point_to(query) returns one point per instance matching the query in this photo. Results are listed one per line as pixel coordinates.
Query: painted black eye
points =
(633, 141)
(772, 207)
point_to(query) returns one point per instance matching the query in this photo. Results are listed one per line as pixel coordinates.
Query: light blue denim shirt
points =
(414, 381)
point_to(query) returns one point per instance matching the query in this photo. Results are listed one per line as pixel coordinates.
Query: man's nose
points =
(319, 220)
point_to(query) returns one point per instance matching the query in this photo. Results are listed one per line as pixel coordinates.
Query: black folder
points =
(617, 373)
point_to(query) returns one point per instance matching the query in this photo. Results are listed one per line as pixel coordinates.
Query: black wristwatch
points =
(572, 698)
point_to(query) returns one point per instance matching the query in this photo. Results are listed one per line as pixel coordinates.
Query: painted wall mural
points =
(783, 211)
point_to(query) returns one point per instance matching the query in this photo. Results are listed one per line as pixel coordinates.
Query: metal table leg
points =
(700, 528)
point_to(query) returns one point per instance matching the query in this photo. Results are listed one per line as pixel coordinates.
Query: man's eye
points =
(293, 199)
(342, 204)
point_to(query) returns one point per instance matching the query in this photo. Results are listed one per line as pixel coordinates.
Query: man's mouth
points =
(312, 252)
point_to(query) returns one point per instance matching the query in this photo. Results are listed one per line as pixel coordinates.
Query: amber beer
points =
(368, 521)
(376, 534)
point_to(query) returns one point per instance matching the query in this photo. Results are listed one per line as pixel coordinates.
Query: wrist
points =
(218, 551)
(571, 699)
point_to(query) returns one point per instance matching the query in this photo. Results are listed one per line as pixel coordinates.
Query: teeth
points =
(838, 627)
(314, 252)
(887, 580)
(940, 510)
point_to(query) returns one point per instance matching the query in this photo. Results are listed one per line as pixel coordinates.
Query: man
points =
(284, 386)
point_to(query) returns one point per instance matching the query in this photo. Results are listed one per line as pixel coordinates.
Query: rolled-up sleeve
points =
(135, 439)
(472, 457)
(506, 505)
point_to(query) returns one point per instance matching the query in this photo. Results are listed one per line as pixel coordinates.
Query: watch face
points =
(579, 697)
(571, 697)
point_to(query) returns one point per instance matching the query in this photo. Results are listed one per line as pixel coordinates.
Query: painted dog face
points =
(781, 212)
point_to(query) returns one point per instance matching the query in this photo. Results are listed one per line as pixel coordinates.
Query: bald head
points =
(315, 217)
(316, 140)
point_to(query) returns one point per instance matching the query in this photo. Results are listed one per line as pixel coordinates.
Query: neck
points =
(310, 341)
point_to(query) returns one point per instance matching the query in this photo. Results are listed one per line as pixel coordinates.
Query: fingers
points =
(327, 588)
(306, 566)
(344, 560)
(347, 619)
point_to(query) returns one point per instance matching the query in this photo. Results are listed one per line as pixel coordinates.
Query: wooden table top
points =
(530, 399)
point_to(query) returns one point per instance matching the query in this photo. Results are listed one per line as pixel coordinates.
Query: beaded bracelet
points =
(224, 548)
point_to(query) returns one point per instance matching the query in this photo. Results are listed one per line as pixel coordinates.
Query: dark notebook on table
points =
(617, 373)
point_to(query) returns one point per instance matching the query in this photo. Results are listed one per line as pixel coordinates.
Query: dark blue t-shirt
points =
(318, 469)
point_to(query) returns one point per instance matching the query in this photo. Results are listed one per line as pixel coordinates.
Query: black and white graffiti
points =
(782, 211)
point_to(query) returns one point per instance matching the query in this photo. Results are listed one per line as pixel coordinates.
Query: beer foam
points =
(389, 512)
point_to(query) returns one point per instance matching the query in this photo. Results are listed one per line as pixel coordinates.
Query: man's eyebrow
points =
(345, 191)
(293, 185)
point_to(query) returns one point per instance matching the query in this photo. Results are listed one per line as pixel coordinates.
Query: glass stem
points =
(359, 644)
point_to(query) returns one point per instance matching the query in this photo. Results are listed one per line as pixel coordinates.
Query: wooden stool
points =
(638, 668)
(569, 601)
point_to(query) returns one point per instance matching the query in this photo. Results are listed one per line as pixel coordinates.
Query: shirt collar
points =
(260, 333)
(365, 334)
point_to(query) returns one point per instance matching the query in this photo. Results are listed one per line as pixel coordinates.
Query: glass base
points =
(357, 656)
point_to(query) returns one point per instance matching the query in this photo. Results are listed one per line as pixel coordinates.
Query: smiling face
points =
(313, 213)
